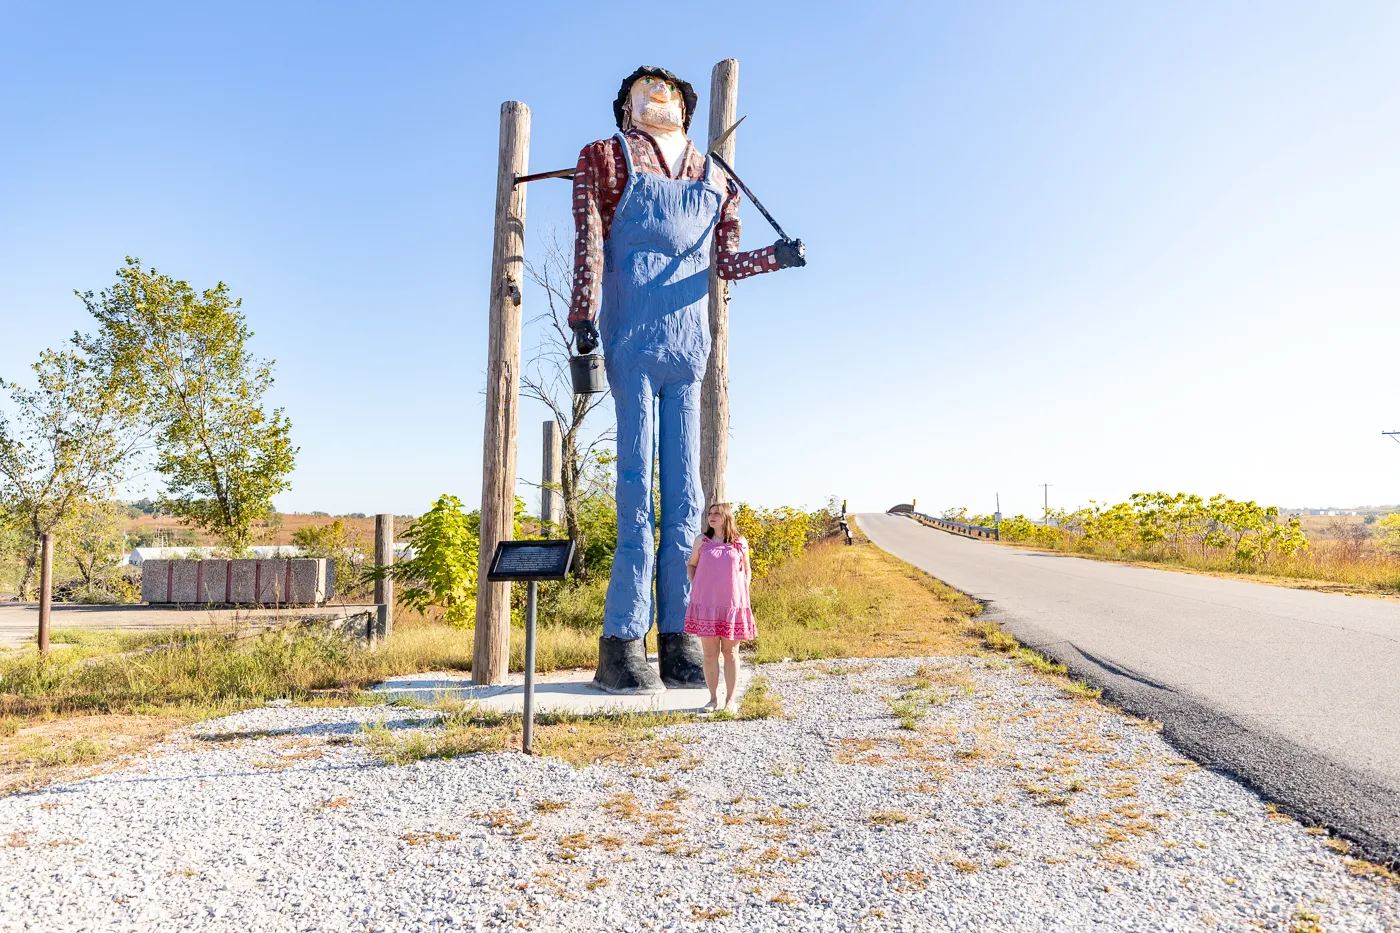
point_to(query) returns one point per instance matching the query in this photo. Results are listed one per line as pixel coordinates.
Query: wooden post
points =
(384, 586)
(45, 591)
(491, 657)
(714, 394)
(551, 496)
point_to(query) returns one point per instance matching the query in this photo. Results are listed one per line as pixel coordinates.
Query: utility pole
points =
(1047, 503)
(491, 655)
(714, 391)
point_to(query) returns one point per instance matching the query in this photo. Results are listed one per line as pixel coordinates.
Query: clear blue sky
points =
(1110, 246)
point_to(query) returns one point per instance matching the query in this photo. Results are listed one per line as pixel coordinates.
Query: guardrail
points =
(957, 528)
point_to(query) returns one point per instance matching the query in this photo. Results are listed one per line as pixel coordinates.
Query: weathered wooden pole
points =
(384, 586)
(491, 657)
(551, 496)
(45, 590)
(714, 394)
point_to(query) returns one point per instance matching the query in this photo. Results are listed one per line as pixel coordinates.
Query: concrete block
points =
(211, 581)
(243, 585)
(305, 582)
(271, 577)
(276, 582)
(153, 580)
(183, 582)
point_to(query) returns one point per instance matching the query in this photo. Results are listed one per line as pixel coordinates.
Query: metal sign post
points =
(530, 562)
(527, 732)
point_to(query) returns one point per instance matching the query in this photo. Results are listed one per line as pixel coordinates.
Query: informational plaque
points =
(531, 560)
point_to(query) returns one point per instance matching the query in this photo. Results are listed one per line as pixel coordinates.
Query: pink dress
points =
(719, 594)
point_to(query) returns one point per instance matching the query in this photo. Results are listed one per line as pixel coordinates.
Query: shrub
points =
(1389, 529)
(774, 535)
(442, 571)
(344, 546)
(1160, 525)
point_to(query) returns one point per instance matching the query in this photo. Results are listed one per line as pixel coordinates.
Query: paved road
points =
(1295, 692)
(20, 621)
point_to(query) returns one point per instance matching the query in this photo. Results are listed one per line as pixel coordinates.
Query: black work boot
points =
(623, 667)
(681, 660)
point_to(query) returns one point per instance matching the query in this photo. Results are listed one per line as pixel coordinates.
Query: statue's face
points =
(657, 104)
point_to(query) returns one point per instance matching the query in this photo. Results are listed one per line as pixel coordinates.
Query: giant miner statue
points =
(647, 205)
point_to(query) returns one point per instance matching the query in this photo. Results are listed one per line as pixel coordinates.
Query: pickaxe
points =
(719, 160)
(713, 153)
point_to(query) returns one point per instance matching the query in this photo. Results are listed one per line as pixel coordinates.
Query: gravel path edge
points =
(1303, 784)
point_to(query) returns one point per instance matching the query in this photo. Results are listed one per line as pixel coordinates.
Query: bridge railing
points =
(957, 528)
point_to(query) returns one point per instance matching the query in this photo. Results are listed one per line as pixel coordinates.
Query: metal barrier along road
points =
(957, 528)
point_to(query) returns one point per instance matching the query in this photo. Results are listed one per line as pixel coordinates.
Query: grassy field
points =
(109, 693)
(291, 522)
(1327, 566)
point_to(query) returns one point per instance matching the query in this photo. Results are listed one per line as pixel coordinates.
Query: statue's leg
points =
(680, 654)
(622, 662)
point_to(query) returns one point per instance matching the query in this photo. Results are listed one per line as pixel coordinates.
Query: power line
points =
(1393, 435)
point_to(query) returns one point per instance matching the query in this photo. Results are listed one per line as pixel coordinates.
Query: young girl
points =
(719, 612)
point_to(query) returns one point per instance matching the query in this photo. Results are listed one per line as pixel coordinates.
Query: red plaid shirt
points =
(599, 181)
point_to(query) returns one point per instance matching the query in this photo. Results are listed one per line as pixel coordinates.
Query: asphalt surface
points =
(1296, 693)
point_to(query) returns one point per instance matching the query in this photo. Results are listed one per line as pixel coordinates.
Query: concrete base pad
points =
(560, 691)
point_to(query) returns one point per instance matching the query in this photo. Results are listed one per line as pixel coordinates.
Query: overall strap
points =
(626, 154)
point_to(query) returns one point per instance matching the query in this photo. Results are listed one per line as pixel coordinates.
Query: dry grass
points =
(580, 740)
(889, 817)
(1001, 642)
(712, 913)
(51, 748)
(759, 701)
(837, 601)
(363, 528)
(1326, 566)
(1081, 691)
(422, 839)
(1373, 871)
(551, 806)
(1305, 921)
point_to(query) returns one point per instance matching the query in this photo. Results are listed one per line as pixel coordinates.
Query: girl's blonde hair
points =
(729, 528)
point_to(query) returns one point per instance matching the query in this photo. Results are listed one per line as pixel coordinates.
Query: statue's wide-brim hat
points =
(651, 71)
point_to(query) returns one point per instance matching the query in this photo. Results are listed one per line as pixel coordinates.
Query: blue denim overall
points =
(654, 321)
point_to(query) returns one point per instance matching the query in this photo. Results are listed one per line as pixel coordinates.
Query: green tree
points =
(90, 539)
(182, 356)
(67, 441)
(1388, 528)
(443, 569)
(345, 547)
(774, 535)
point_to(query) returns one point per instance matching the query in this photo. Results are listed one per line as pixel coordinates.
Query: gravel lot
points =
(1008, 806)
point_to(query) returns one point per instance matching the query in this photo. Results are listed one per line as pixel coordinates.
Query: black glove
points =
(586, 337)
(790, 253)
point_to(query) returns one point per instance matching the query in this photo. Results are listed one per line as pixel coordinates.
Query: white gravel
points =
(1010, 807)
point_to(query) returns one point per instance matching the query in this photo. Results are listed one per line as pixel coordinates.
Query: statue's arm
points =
(588, 233)
(732, 264)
